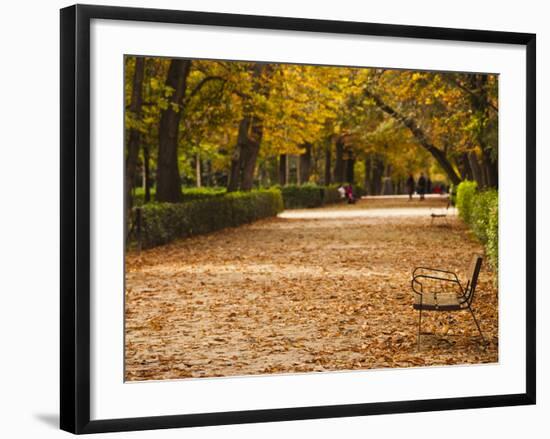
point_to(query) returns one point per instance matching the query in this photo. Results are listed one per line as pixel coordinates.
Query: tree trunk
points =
(282, 169)
(305, 163)
(376, 173)
(243, 162)
(419, 135)
(328, 165)
(298, 172)
(249, 153)
(244, 158)
(147, 173)
(477, 172)
(235, 170)
(367, 168)
(208, 168)
(134, 136)
(168, 178)
(387, 184)
(198, 170)
(465, 167)
(491, 169)
(339, 163)
(350, 168)
(480, 106)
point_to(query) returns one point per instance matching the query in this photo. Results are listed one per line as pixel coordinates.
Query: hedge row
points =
(163, 222)
(294, 196)
(310, 195)
(189, 194)
(479, 209)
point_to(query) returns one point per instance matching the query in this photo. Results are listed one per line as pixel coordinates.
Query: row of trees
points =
(246, 123)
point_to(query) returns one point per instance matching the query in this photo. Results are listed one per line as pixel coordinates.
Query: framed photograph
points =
(268, 219)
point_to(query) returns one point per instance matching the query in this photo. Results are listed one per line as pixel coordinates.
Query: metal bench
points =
(460, 300)
(437, 215)
(442, 214)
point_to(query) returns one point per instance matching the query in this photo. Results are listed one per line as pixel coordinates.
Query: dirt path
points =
(313, 290)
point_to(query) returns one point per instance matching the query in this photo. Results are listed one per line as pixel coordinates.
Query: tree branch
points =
(418, 133)
(457, 83)
(201, 84)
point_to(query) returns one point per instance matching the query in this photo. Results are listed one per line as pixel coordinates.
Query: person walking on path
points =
(410, 186)
(349, 194)
(342, 192)
(421, 186)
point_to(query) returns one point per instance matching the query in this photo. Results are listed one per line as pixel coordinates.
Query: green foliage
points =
(480, 211)
(359, 191)
(199, 193)
(331, 195)
(189, 194)
(464, 199)
(452, 194)
(309, 195)
(300, 104)
(165, 222)
(492, 233)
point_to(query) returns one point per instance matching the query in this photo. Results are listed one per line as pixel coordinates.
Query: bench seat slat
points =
(432, 301)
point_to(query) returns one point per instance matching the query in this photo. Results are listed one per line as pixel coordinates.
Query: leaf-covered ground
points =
(316, 290)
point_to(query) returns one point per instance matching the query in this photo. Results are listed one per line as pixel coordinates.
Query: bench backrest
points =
(475, 268)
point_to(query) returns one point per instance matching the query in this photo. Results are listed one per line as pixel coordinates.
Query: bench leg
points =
(477, 324)
(419, 327)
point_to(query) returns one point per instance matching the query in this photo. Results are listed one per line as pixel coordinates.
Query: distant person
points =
(421, 186)
(349, 194)
(410, 186)
(342, 192)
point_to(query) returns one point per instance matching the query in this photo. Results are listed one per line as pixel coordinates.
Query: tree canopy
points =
(246, 124)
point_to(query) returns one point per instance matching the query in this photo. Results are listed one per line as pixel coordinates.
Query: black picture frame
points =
(75, 217)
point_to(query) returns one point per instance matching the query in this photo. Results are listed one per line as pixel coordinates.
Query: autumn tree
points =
(254, 124)
(168, 177)
(134, 134)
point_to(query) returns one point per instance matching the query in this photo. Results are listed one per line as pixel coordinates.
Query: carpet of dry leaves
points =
(319, 292)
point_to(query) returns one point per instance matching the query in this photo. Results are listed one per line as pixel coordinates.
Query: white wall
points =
(29, 250)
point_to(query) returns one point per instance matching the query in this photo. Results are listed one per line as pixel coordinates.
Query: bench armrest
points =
(431, 277)
(435, 270)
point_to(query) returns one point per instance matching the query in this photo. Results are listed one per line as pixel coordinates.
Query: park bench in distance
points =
(445, 301)
(437, 215)
(442, 215)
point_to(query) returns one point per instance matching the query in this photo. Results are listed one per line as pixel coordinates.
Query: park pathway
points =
(312, 290)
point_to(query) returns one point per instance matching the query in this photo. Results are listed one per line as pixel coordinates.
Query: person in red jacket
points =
(349, 194)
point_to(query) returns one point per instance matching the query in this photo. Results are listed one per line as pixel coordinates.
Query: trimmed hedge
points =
(359, 191)
(199, 193)
(189, 194)
(492, 235)
(483, 205)
(480, 211)
(308, 195)
(331, 195)
(464, 199)
(294, 196)
(162, 223)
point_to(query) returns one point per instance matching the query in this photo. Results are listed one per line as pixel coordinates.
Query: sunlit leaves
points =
(316, 104)
(284, 296)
